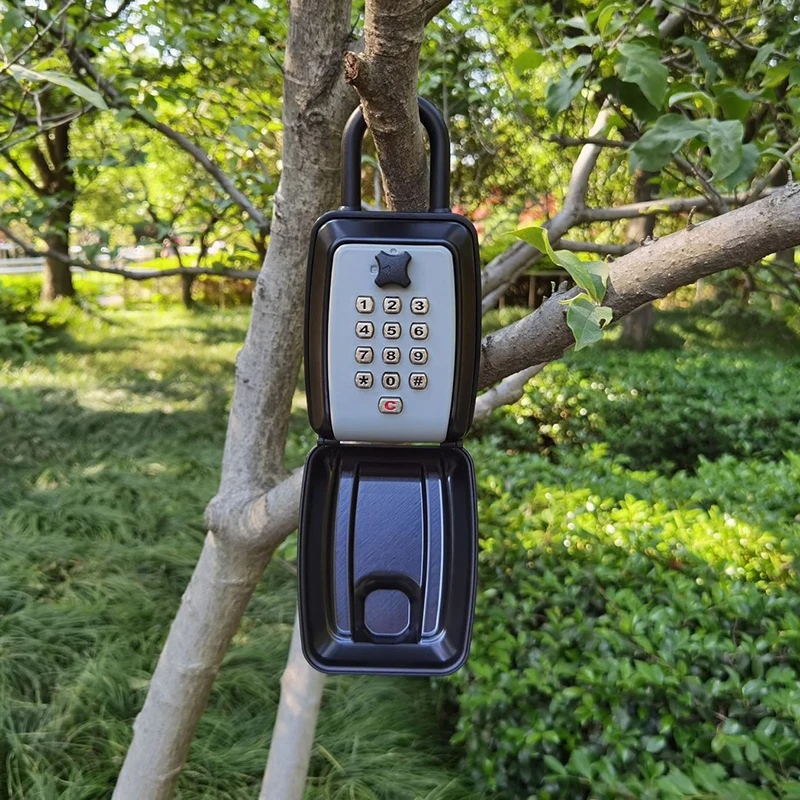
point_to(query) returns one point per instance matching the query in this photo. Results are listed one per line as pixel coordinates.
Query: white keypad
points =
(418, 355)
(419, 330)
(420, 305)
(403, 330)
(392, 330)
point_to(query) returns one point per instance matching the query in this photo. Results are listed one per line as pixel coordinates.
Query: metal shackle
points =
(439, 139)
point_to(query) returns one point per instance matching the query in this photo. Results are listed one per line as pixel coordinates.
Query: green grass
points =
(112, 443)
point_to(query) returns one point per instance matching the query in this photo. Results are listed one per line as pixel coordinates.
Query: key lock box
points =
(388, 523)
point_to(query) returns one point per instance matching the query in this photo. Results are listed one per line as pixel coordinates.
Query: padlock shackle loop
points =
(439, 139)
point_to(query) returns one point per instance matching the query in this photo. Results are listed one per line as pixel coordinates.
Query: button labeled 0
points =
(390, 405)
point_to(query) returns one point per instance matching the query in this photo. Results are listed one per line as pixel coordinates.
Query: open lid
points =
(387, 558)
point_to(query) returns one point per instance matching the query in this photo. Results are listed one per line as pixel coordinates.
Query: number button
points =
(391, 355)
(419, 305)
(365, 330)
(418, 380)
(364, 355)
(418, 355)
(392, 305)
(365, 304)
(419, 330)
(364, 380)
(391, 380)
(392, 330)
(390, 405)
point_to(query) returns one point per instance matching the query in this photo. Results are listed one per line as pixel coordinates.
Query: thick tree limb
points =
(733, 239)
(247, 518)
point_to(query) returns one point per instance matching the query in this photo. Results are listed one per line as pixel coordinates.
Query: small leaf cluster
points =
(586, 316)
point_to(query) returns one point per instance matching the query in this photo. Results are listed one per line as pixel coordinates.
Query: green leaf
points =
(554, 765)
(13, 20)
(655, 744)
(529, 59)
(698, 100)
(725, 144)
(776, 75)
(580, 763)
(640, 65)
(679, 781)
(751, 155)
(764, 52)
(591, 276)
(711, 68)
(586, 321)
(734, 102)
(92, 97)
(561, 92)
(657, 146)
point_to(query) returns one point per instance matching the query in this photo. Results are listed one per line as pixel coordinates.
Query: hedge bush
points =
(663, 408)
(632, 639)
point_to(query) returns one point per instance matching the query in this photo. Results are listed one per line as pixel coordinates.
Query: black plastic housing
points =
(387, 559)
(393, 228)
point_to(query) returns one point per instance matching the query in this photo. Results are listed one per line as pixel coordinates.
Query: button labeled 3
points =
(419, 305)
(390, 405)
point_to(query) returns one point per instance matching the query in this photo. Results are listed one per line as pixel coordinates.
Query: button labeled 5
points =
(390, 405)
(392, 330)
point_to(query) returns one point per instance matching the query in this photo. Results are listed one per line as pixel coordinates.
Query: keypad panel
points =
(396, 387)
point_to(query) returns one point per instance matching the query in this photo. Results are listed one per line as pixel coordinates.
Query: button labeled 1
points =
(390, 405)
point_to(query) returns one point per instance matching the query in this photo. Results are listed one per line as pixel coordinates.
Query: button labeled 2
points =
(390, 405)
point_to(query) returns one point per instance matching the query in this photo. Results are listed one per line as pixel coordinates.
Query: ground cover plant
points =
(636, 630)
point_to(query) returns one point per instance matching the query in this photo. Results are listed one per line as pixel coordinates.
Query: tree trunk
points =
(638, 325)
(187, 282)
(248, 518)
(58, 181)
(57, 277)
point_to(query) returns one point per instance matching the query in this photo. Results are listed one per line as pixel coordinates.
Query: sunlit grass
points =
(111, 446)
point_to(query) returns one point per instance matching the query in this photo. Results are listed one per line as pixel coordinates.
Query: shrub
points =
(633, 640)
(662, 408)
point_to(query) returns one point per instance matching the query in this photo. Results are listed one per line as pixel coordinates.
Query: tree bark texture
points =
(638, 325)
(57, 181)
(247, 520)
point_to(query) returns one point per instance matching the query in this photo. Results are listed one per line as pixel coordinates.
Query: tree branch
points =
(30, 183)
(385, 77)
(81, 61)
(739, 237)
(595, 247)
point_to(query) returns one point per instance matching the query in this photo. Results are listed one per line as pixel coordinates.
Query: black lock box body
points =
(387, 546)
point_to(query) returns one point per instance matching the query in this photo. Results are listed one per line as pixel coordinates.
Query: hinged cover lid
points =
(387, 558)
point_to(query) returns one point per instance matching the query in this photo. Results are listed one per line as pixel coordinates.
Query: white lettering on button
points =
(390, 405)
